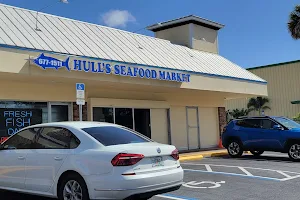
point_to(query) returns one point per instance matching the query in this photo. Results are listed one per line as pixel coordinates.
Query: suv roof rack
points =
(249, 117)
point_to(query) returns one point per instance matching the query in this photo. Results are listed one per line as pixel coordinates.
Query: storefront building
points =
(283, 93)
(171, 88)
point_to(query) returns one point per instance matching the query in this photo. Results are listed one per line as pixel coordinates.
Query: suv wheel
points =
(257, 153)
(235, 149)
(294, 152)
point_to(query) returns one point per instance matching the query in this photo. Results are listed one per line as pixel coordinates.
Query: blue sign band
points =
(106, 68)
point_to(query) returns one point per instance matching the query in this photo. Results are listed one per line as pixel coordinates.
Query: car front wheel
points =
(257, 153)
(235, 149)
(73, 187)
(294, 152)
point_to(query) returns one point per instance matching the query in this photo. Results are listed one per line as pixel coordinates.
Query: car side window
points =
(249, 123)
(267, 124)
(21, 140)
(56, 138)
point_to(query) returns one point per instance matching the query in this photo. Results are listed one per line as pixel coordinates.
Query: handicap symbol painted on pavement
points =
(205, 184)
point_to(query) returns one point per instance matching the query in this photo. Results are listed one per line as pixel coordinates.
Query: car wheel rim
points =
(72, 191)
(295, 151)
(234, 148)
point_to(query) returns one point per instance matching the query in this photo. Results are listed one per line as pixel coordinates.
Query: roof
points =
(185, 20)
(74, 124)
(273, 65)
(72, 37)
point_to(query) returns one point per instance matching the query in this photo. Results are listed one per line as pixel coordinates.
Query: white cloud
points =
(117, 18)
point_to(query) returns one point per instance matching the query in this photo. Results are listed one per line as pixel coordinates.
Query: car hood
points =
(295, 130)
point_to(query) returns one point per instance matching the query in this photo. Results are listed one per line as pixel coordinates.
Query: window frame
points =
(57, 127)
(19, 132)
(276, 123)
(239, 120)
(260, 119)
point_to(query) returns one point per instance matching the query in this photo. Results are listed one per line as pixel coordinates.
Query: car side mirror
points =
(277, 127)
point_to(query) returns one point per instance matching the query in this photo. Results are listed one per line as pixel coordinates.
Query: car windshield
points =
(290, 124)
(112, 135)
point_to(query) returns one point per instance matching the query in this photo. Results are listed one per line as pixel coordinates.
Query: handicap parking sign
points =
(80, 86)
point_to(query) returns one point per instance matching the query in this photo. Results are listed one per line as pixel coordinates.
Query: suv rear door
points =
(250, 130)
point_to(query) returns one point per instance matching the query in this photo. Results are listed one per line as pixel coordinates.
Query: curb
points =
(202, 155)
(219, 154)
(196, 157)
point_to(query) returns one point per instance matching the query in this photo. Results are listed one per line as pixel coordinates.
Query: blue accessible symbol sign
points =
(80, 86)
(80, 96)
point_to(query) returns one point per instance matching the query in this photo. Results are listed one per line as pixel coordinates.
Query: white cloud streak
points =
(117, 18)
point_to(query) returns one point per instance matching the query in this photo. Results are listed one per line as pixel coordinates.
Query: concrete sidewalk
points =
(201, 154)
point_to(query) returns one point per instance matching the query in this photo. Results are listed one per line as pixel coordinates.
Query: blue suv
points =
(259, 134)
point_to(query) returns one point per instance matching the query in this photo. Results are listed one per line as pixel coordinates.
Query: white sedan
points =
(87, 160)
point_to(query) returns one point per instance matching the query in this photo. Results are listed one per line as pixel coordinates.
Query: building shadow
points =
(6, 195)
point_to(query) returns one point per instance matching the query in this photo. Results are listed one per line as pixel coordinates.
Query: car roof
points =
(257, 117)
(74, 124)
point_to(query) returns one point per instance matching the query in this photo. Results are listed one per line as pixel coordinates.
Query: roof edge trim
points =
(273, 65)
(150, 66)
(185, 20)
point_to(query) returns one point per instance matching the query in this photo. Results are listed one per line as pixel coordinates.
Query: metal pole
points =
(80, 112)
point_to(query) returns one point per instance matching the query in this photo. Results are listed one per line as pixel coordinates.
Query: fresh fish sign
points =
(52, 63)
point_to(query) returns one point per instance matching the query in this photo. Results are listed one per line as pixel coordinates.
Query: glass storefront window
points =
(124, 117)
(59, 113)
(103, 114)
(15, 115)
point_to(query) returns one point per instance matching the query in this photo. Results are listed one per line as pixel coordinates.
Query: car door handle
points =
(57, 158)
(21, 157)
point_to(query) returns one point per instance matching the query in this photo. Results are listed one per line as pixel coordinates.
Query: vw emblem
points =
(158, 150)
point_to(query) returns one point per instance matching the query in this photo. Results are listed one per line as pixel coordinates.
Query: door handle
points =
(21, 157)
(57, 158)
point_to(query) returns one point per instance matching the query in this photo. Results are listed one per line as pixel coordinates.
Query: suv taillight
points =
(175, 154)
(124, 159)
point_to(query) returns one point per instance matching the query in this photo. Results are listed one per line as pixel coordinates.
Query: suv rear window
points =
(249, 123)
(111, 135)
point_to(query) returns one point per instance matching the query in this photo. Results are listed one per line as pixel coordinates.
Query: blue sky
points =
(255, 31)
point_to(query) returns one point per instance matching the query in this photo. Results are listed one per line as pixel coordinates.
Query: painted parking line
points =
(244, 171)
(233, 174)
(176, 197)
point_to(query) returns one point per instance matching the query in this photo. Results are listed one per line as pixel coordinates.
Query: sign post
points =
(80, 97)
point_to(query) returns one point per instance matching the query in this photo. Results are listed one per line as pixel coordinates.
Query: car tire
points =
(235, 149)
(68, 185)
(294, 152)
(257, 153)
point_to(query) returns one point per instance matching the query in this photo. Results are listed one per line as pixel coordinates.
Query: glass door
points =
(124, 117)
(142, 121)
(59, 112)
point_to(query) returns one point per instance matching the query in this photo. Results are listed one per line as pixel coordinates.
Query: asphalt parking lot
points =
(271, 176)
